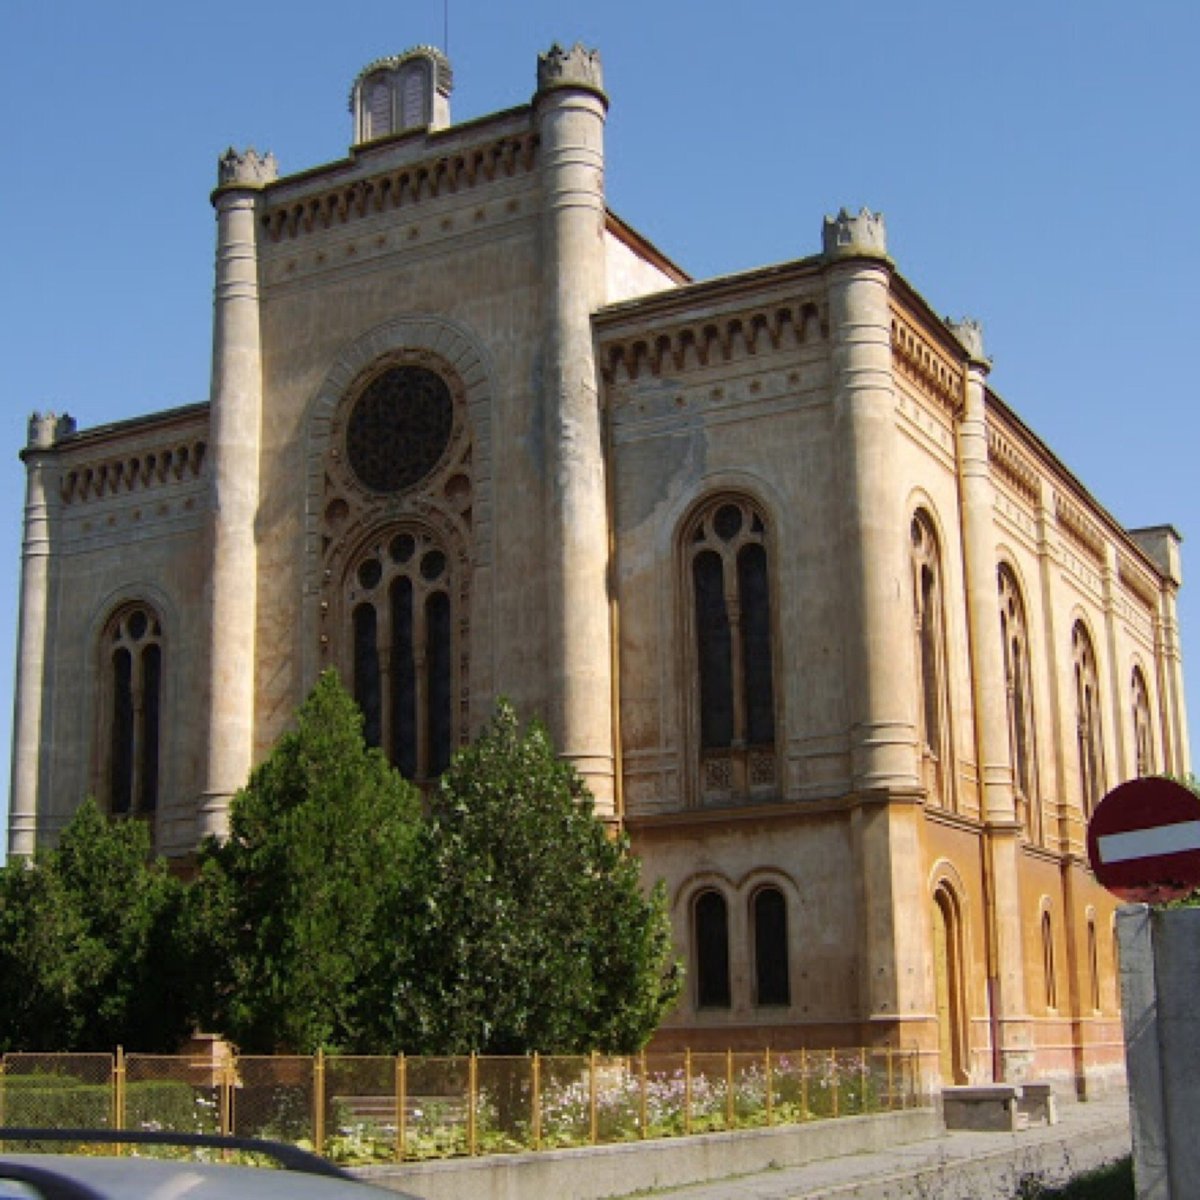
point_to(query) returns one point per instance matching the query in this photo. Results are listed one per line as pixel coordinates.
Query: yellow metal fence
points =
(388, 1109)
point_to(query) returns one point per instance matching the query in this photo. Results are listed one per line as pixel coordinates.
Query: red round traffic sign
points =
(1144, 841)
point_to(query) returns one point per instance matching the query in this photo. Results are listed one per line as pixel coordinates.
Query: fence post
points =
(595, 1124)
(3, 1115)
(804, 1113)
(687, 1091)
(864, 1072)
(891, 1090)
(767, 1078)
(833, 1074)
(319, 1102)
(642, 1104)
(535, 1116)
(730, 1111)
(118, 1084)
(472, 1099)
(401, 1107)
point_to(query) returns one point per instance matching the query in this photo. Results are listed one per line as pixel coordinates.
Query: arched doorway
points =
(948, 981)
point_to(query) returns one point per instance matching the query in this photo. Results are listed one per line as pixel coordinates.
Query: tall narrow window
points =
(1014, 635)
(731, 607)
(770, 948)
(1143, 731)
(712, 950)
(400, 590)
(1093, 964)
(1089, 734)
(133, 668)
(929, 626)
(1049, 976)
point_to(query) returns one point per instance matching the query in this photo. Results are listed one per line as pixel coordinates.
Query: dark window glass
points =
(714, 652)
(404, 681)
(771, 948)
(151, 689)
(756, 644)
(712, 951)
(929, 662)
(437, 628)
(121, 753)
(366, 672)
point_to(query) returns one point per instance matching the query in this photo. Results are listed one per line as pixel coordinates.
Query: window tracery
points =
(1014, 633)
(727, 560)
(1089, 732)
(930, 650)
(1143, 730)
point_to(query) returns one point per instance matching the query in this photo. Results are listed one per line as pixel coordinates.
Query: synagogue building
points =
(825, 627)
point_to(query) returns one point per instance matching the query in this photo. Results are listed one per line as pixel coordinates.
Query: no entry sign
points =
(1144, 841)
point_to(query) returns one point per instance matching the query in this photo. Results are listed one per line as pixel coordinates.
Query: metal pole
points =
(536, 1115)
(767, 1074)
(642, 1105)
(119, 1094)
(863, 1105)
(730, 1111)
(595, 1128)
(401, 1107)
(687, 1091)
(833, 1074)
(804, 1113)
(472, 1095)
(319, 1102)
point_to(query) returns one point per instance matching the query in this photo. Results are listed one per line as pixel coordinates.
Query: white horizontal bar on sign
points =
(1145, 843)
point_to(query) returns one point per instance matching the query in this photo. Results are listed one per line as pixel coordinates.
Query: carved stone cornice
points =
(696, 344)
(1137, 582)
(177, 462)
(1079, 527)
(410, 184)
(925, 365)
(1009, 462)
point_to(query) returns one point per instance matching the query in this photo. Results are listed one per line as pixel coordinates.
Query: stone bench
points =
(998, 1107)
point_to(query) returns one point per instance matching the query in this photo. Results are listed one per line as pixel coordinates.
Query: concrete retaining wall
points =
(598, 1172)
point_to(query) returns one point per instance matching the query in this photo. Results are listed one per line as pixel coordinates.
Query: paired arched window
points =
(727, 559)
(929, 627)
(768, 913)
(1143, 731)
(400, 591)
(711, 925)
(1014, 633)
(1089, 732)
(132, 669)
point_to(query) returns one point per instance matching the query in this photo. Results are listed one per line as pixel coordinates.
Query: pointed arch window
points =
(1014, 634)
(133, 681)
(711, 918)
(731, 609)
(400, 591)
(1089, 733)
(1143, 729)
(769, 919)
(930, 649)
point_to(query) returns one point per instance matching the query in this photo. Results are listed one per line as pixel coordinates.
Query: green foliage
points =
(88, 955)
(292, 908)
(529, 929)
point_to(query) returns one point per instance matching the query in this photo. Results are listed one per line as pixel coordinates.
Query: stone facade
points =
(826, 628)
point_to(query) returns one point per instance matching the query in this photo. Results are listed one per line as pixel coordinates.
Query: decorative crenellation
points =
(577, 67)
(1138, 582)
(136, 472)
(925, 365)
(503, 158)
(246, 168)
(1082, 530)
(719, 340)
(46, 429)
(1009, 462)
(850, 234)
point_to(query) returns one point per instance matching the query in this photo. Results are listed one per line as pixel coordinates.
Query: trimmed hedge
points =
(64, 1102)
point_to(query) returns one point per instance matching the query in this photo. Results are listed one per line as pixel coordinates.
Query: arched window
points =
(399, 593)
(132, 667)
(1049, 975)
(769, 918)
(1143, 733)
(1089, 734)
(711, 919)
(731, 605)
(1093, 964)
(929, 625)
(1014, 634)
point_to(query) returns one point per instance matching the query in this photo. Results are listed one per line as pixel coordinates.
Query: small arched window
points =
(1049, 975)
(711, 917)
(1093, 964)
(1143, 730)
(133, 681)
(930, 648)
(399, 596)
(731, 610)
(769, 918)
(1089, 733)
(1014, 633)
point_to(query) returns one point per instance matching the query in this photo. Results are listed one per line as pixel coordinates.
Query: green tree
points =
(89, 957)
(290, 910)
(529, 928)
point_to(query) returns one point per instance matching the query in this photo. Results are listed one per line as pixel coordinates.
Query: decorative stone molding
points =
(45, 429)
(1079, 527)
(1137, 581)
(577, 67)
(722, 339)
(246, 168)
(176, 463)
(504, 158)
(1010, 463)
(926, 365)
(849, 235)
(969, 333)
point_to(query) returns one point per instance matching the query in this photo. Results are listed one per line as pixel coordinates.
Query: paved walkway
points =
(954, 1166)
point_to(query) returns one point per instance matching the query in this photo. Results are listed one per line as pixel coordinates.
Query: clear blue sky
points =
(1038, 164)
